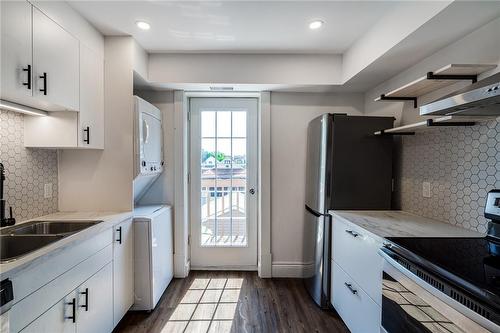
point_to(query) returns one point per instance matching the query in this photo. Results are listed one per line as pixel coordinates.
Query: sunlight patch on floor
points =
(208, 306)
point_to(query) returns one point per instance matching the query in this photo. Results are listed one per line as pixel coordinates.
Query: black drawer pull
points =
(119, 240)
(73, 309)
(44, 77)
(349, 286)
(87, 130)
(28, 84)
(86, 305)
(352, 233)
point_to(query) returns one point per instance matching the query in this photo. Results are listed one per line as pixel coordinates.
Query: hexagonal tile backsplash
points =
(461, 163)
(27, 171)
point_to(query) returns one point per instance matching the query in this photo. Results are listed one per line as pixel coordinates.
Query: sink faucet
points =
(4, 221)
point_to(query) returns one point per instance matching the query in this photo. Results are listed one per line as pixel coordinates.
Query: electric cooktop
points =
(472, 264)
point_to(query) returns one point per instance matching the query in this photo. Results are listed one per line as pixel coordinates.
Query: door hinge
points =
(189, 239)
(189, 115)
(189, 177)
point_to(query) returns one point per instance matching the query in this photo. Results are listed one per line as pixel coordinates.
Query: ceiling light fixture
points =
(143, 25)
(316, 24)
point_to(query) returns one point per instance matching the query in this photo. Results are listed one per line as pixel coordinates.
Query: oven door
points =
(411, 305)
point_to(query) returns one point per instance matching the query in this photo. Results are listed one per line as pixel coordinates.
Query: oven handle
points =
(393, 268)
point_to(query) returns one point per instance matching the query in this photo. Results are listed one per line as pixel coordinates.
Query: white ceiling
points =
(237, 26)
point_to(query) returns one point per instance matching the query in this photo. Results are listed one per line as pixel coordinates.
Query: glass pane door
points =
(223, 193)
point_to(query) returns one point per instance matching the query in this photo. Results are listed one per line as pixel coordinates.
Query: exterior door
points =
(223, 183)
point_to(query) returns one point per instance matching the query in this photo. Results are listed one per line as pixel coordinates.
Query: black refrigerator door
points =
(361, 164)
(317, 252)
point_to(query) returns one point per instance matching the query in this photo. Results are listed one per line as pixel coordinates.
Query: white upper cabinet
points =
(16, 57)
(91, 116)
(40, 60)
(55, 65)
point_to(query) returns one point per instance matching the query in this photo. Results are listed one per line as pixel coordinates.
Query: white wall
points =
(91, 180)
(290, 115)
(162, 190)
(245, 68)
(480, 46)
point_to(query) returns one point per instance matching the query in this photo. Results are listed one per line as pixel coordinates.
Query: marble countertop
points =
(37, 257)
(397, 223)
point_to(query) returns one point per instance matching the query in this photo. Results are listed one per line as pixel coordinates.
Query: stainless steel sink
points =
(13, 247)
(48, 227)
(19, 240)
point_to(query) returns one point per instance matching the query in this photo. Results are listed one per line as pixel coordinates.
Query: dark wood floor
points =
(263, 305)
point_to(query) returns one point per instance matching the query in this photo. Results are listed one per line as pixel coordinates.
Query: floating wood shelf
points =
(432, 81)
(410, 129)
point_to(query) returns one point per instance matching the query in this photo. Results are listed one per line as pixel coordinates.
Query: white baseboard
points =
(224, 268)
(288, 269)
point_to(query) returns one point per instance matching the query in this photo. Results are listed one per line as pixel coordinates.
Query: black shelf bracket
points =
(399, 99)
(383, 132)
(432, 76)
(431, 123)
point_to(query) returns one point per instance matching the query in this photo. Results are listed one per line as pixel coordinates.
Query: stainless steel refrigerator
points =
(348, 168)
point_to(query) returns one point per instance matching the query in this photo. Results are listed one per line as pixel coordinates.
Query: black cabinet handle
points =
(349, 286)
(73, 309)
(119, 240)
(87, 140)
(86, 293)
(44, 77)
(28, 84)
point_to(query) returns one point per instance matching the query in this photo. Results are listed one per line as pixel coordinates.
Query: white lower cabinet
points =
(95, 302)
(357, 253)
(56, 319)
(123, 269)
(88, 308)
(356, 287)
(358, 311)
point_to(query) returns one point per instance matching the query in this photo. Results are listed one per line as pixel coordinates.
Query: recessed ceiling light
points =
(143, 25)
(316, 24)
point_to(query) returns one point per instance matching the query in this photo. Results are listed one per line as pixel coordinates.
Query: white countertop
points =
(398, 223)
(109, 220)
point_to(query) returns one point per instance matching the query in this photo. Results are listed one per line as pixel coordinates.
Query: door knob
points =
(252, 191)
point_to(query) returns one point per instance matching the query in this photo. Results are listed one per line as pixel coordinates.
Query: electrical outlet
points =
(426, 189)
(47, 191)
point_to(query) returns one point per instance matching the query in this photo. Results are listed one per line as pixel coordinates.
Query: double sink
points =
(20, 240)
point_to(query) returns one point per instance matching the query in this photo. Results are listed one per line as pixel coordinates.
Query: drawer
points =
(358, 311)
(356, 252)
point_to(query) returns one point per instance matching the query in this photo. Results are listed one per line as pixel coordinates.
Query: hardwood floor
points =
(233, 302)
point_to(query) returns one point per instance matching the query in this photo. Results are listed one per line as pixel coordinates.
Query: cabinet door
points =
(15, 44)
(57, 318)
(95, 303)
(123, 269)
(91, 115)
(56, 65)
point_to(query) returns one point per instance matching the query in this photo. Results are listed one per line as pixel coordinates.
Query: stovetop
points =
(470, 263)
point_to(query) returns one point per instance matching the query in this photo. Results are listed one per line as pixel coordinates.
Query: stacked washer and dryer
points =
(153, 230)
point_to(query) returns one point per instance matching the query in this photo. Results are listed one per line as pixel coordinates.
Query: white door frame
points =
(181, 170)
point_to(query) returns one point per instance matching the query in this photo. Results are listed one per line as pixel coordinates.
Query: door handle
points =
(44, 77)
(252, 191)
(349, 286)
(28, 83)
(119, 240)
(73, 309)
(86, 293)
(87, 140)
(352, 233)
